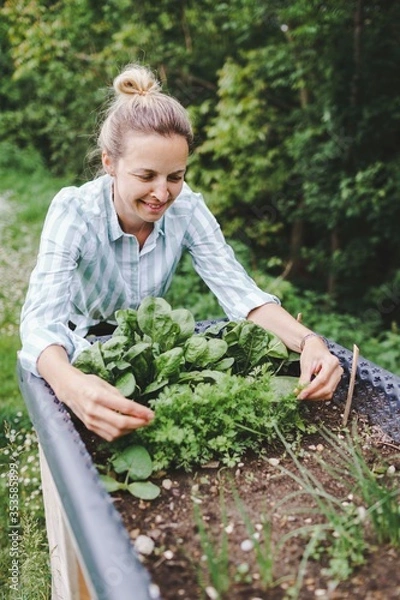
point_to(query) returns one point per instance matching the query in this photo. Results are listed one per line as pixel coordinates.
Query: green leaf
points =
(224, 365)
(277, 349)
(283, 385)
(168, 363)
(251, 345)
(195, 347)
(144, 490)
(135, 350)
(216, 329)
(127, 323)
(154, 317)
(113, 348)
(155, 386)
(215, 350)
(91, 360)
(203, 376)
(185, 320)
(126, 384)
(118, 365)
(135, 461)
(111, 484)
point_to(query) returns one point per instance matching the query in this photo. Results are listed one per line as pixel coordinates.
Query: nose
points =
(160, 191)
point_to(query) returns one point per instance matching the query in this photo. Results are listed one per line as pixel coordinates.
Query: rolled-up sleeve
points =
(215, 262)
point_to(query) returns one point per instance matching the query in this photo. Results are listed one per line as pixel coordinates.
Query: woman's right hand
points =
(99, 405)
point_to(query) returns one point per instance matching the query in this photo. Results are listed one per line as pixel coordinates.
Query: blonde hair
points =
(139, 105)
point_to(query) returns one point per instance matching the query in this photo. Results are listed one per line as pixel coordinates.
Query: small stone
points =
(391, 470)
(144, 545)
(320, 593)
(362, 513)
(247, 545)
(154, 591)
(274, 462)
(134, 533)
(155, 533)
(320, 448)
(168, 554)
(229, 528)
(212, 593)
(166, 484)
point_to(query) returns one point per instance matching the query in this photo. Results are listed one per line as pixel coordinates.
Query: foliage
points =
(220, 420)
(342, 537)
(135, 463)
(155, 346)
(213, 390)
(379, 495)
(296, 113)
(217, 559)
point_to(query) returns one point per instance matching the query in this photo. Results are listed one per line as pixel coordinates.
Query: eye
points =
(175, 178)
(147, 177)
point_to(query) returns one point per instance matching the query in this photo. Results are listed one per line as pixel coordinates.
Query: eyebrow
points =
(151, 171)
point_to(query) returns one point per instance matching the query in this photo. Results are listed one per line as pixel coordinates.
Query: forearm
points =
(276, 319)
(54, 366)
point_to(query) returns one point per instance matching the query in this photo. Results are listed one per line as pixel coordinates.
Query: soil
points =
(267, 494)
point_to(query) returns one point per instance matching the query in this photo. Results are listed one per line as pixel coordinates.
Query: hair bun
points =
(136, 80)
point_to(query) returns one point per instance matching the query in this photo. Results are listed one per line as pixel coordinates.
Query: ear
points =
(108, 164)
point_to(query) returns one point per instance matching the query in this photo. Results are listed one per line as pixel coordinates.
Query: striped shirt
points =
(88, 268)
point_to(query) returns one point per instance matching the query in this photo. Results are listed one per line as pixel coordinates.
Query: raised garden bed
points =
(103, 530)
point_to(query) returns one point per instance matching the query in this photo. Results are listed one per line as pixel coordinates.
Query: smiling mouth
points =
(154, 206)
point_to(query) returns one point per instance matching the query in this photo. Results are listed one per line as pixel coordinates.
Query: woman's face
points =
(147, 177)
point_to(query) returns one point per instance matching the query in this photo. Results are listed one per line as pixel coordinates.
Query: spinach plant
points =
(155, 346)
(135, 464)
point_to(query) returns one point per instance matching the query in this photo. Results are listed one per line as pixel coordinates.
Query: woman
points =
(117, 239)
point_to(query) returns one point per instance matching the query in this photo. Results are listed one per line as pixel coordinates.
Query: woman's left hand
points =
(320, 371)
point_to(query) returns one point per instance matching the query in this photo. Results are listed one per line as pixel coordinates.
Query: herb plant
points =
(219, 421)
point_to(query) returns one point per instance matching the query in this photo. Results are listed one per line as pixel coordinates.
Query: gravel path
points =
(17, 259)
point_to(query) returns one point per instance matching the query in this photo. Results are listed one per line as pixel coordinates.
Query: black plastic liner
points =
(376, 393)
(105, 548)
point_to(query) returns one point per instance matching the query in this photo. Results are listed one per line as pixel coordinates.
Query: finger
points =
(322, 387)
(109, 397)
(110, 424)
